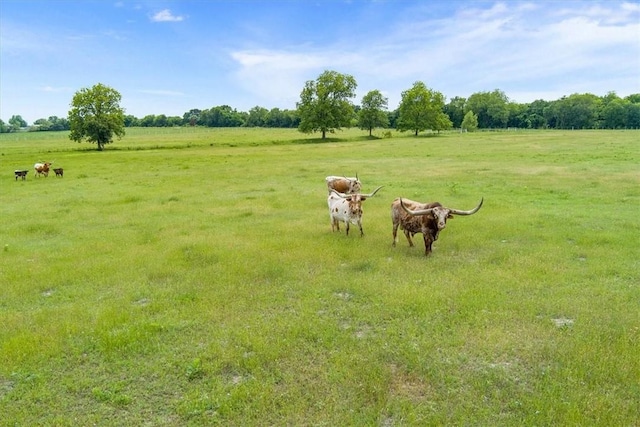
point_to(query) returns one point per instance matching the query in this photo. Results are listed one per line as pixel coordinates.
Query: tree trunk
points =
(324, 134)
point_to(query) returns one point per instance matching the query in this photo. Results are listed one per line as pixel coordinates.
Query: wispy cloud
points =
(161, 92)
(166, 15)
(515, 47)
(53, 89)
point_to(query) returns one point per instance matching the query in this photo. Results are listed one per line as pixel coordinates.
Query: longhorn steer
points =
(347, 208)
(42, 168)
(426, 218)
(343, 184)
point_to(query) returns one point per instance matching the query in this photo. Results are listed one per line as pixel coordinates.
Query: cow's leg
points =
(408, 234)
(395, 233)
(347, 223)
(427, 244)
(360, 226)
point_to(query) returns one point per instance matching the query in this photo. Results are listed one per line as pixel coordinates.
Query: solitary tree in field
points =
(96, 115)
(373, 112)
(470, 122)
(420, 109)
(325, 103)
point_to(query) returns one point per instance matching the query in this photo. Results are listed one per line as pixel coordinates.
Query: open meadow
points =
(187, 277)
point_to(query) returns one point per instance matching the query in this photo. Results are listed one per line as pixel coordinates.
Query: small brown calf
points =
(59, 172)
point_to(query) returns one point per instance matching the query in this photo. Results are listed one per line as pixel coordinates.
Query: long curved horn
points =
(471, 212)
(417, 212)
(374, 192)
(340, 194)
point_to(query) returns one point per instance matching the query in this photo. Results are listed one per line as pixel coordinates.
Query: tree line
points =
(326, 105)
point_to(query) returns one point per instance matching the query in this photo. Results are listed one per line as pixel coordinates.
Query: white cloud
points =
(53, 89)
(161, 92)
(166, 16)
(527, 52)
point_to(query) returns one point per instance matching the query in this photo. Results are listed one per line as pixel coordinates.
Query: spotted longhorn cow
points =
(347, 208)
(426, 218)
(42, 168)
(343, 184)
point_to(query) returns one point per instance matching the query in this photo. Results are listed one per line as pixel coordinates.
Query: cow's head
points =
(355, 200)
(354, 203)
(354, 185)
(440, 214)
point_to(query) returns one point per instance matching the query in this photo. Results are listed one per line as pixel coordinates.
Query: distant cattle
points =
(347, 208)
(426, 218)
(343, 184)
(21, 174)
(59, 172)
(42, 168)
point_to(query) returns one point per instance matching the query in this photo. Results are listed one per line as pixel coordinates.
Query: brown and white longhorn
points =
(42, 168)
(347, 208)
(343, 184)
(426, 218)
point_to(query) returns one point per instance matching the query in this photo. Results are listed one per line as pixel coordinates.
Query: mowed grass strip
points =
(190, 277)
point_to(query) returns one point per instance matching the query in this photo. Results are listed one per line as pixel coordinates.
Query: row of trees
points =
(326, 104)
(577, 111)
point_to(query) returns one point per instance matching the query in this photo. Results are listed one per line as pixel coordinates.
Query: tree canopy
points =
(469, 122)
(422, 108)
(96, 115)
(325, 104)
(490, 107)
(372, 113)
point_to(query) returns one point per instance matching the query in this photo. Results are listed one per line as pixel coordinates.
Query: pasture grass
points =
(190, 277)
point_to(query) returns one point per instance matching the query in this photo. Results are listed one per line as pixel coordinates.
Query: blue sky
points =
(167, 57)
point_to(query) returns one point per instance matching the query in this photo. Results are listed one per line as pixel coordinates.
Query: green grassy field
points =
(190, 277)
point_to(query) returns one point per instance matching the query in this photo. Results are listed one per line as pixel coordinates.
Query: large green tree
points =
(325, 104)
(491, 107)
(222, 116)
(373, 111)
(535, 113)
(96, 115)
(614, 114)
(17, 122)
(257, 117)
(455, 110)
(420, 109)
(576, 111)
